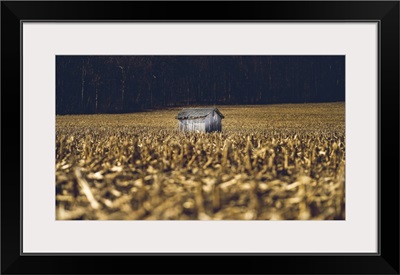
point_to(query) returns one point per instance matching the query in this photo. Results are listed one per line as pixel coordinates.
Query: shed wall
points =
(210, 123)
(188, 125)
(213, 122)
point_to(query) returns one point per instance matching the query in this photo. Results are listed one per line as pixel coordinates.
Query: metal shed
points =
(200, 119)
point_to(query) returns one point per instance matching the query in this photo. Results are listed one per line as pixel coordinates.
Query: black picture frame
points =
(386, 13)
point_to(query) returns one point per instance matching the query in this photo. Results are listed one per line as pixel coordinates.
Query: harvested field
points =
(272, 162)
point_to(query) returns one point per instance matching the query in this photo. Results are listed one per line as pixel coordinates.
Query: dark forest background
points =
(119, 84)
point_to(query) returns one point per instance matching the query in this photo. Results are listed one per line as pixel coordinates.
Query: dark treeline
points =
(118, 84)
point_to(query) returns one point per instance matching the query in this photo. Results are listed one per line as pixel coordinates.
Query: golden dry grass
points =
(275, 162)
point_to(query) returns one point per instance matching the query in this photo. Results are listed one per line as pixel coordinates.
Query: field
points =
(272, 162)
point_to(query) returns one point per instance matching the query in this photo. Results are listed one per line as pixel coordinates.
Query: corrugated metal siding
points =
(217, 122)
(211, 123)
(192, 125)
(208, 123)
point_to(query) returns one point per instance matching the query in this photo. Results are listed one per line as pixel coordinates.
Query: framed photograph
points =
(178, 131)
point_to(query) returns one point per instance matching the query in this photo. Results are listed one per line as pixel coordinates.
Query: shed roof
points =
(197, 113)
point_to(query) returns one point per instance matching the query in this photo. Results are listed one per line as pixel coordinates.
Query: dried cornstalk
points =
(86, 189)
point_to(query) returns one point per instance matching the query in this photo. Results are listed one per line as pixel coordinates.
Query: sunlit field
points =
(271, 162)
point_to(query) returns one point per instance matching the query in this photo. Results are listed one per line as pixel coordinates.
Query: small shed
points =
(200, 119)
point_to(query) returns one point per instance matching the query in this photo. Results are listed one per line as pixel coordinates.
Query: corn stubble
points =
(277, 162)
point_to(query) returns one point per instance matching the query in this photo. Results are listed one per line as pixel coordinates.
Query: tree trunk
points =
(97, 100)
(123, 87)
(83, 84)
